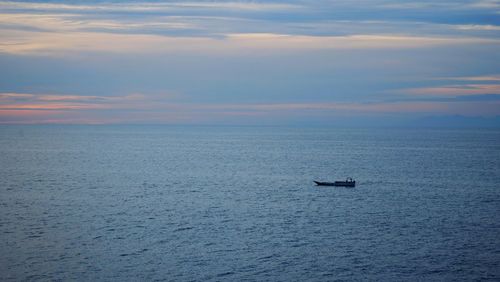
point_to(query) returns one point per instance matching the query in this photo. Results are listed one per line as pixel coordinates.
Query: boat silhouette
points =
(349, 182)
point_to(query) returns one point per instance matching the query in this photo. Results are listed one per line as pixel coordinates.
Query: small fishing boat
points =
(349, 182)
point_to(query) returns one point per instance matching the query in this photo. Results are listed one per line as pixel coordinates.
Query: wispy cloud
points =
(148, 6)
(76, 22)
(31, 108)
(419, 5)
(484, 78)
(482, 27)
(457, 5)
(22, 42)
(488, 4)
(481, 87)
(23, 101)
(456, 90)
(45, 27)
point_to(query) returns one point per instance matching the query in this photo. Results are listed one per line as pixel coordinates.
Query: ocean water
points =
(238, 203)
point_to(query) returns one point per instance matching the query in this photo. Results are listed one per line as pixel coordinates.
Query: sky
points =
(302, 62)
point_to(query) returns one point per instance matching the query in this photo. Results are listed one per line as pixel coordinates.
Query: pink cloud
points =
(491, 78)
(161, 109)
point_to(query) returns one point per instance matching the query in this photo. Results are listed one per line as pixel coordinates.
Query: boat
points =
(349, 182)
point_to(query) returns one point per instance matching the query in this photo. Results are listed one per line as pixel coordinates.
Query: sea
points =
(202, 203)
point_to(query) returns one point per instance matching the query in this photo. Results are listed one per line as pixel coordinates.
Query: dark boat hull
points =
(337, 183)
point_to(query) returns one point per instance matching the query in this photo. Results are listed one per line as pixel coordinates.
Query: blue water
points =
(238, 203)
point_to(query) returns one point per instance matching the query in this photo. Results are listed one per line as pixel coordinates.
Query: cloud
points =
(12, 97)
(479, 97)
(480, 27)
(456, 90)
(147, 6)
(419, 5)
(485, 78)
(219, 17)
(23, 101)
(32, 108)
(228, 19)
(54, 43)
(465, 88)
(485, 4)
(300, 58)
(65, 22)
(383, 107)
(455, 5)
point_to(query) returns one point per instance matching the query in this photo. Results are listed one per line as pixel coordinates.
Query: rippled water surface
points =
(228, 203)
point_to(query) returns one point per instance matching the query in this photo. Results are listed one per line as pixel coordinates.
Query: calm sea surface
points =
(228, 203)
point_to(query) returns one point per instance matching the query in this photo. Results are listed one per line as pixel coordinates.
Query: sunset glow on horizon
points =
(247, 62)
